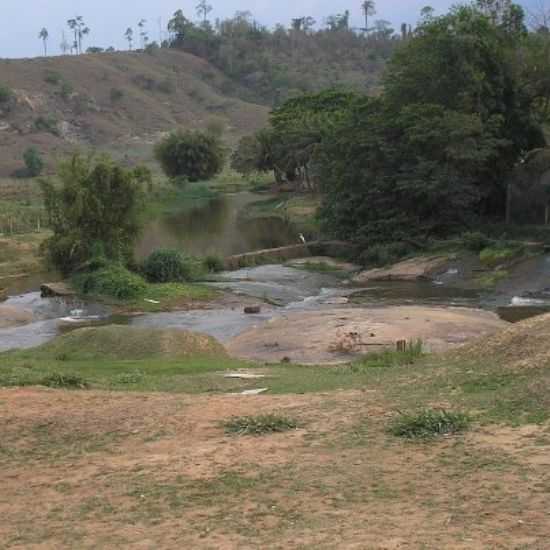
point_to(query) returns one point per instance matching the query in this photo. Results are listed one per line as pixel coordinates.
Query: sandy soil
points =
(103, 470)
(336, 335)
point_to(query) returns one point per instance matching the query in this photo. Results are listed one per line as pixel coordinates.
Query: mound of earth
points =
(120, 342)
(415, 269)
(520, 346)
(338, 335)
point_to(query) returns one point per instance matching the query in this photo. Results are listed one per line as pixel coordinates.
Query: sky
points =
(21, 20)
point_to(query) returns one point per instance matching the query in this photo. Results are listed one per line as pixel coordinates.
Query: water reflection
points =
(216, 226)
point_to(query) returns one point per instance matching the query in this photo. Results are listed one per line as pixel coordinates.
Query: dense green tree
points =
(33, 162)
(94, 209)
(459, 110)
(193, 156)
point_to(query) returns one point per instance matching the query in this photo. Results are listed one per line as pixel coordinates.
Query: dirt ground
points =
(105, 470)
(336, 334)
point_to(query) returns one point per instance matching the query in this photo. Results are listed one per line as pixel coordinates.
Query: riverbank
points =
(481, 482)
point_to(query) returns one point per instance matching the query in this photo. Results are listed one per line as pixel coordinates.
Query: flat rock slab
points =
(52, 290)
(416, 269)
(338, 335)
(11, 316)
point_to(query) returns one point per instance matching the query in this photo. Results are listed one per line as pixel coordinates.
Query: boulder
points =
(252, 310)
(52, 290)
(422, 268)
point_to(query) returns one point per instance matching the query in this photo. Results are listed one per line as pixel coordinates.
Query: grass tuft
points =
(429, 423)
(65, 381)
(259, 425)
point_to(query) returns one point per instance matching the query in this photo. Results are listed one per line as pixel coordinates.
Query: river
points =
(217, 226)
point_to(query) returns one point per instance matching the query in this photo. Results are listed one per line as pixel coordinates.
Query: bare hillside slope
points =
(118, 102)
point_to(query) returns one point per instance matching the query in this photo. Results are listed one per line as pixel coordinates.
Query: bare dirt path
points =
(105, 470)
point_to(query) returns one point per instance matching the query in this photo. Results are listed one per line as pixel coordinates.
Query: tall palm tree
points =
(44, 35)
(369, 8)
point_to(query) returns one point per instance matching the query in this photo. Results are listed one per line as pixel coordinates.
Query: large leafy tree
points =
(94, 209)
(435, 150)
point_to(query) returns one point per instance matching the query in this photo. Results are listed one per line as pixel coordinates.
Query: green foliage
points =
(47, 124)
(6, 94)
(384, 254)
(432, 153)
(391, 358)
(194, 156)
(429, 423)
(116, 94)
(64, 381)
(114, 281)
(53, 77)
(475, 241)
(95, 207)
(499, 255)
(167, 266)
(66, 90)
(33, 162)
(214, 264)
(259, 425)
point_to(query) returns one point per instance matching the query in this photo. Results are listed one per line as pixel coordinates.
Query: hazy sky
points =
(21, 20)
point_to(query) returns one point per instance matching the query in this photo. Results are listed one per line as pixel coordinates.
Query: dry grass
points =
(93, 470)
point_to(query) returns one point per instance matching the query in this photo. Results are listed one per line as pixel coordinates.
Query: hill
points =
(116, 102)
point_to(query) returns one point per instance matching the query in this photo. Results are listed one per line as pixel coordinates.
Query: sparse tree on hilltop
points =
(80, 30)
(143, 34)
(203, 9)
(64, 46)
(129, 35)
(44, 35)
(369, 9)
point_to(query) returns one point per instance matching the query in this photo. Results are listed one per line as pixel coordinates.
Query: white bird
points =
(302, 238)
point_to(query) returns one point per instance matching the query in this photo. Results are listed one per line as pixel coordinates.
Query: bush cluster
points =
(114, 281)
(167, 266)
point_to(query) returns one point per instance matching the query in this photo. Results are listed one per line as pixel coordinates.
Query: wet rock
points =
(52, 290)
(11, 316)
(252, 310)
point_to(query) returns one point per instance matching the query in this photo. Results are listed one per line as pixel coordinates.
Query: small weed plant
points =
(65, 381)
(259, 425)
(429, 423)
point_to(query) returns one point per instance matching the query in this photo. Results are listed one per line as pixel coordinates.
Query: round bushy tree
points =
(33, 162)
(194, 156)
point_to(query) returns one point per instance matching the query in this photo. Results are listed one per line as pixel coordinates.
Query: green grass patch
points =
(429, 423)
(65, 381)
(318, 267)
(495, 256)
(412, 353)
(259, 425)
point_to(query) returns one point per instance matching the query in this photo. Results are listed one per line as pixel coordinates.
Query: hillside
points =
(118, 102)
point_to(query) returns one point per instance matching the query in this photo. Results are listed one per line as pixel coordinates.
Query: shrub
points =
(429, 423)
(195, 155)
(214, 264)
(67, 381)
(476, 241)
(495, 256)
(381, 255)
(116, 94)
(6, 94)
(166, 86)
(33, 162)
(47, 124)
(114, 281)
(167, 266)
(52, 77)
(66, 90)
(259, 425)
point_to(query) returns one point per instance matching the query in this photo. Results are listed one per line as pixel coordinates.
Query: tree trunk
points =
(547, 214)
(509, 204)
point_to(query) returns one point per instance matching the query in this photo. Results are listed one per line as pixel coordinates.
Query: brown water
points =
(216, 226)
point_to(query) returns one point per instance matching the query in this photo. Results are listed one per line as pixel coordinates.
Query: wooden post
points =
(547, 214)
(401, 346)
(509, 204)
